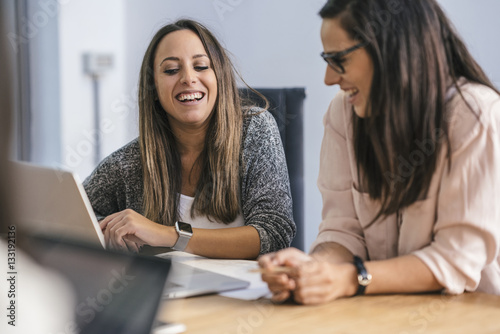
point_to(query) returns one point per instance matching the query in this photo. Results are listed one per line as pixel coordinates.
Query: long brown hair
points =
(417, 56)
(217, 193)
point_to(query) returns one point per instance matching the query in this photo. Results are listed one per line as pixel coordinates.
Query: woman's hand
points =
(319, 282)
(282, 284)
(129, 230)
(310, 280)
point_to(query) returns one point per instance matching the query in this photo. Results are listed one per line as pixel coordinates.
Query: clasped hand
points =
(310, 280)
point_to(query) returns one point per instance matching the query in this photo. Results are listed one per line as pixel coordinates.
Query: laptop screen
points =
(53, 202)
(115, 293)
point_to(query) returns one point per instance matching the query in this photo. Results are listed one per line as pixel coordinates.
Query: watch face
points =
(364, 280)
(185, 227)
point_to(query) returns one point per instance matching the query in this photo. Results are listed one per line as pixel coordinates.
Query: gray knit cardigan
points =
(116, 184)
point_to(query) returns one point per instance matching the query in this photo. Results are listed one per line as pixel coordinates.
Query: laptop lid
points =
(115, 292)
(52, 202)
(185, 280)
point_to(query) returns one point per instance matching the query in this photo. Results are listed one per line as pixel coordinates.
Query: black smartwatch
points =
(364, 278)
(185, 232)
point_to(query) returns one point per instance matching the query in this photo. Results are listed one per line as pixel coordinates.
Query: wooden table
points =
(470, 313)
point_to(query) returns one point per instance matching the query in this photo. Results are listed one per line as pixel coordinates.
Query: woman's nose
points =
(188, 76)
(332, 77)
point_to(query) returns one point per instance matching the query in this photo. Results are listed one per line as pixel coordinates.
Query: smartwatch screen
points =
(184, 227)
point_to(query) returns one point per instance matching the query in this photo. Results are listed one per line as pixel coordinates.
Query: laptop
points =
(114, 292)
(188, 281)
(52, 203)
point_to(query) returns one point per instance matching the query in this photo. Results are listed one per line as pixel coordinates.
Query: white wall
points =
(275, 43)
(40, 28)
(477, 22)
(91, 26)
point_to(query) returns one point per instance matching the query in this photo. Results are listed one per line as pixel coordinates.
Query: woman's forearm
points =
(238, 243)
(404, 274)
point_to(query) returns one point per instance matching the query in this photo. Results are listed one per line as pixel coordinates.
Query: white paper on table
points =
(234, 268)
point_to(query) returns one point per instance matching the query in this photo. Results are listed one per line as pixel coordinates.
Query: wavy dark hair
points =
(417, 55)
(217, 193)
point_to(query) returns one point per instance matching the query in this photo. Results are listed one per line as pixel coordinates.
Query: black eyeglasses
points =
(334, 59)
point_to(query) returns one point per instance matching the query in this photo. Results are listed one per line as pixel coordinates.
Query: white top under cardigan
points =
(185, 204)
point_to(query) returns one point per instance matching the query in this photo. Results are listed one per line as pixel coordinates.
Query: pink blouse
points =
(455, 231)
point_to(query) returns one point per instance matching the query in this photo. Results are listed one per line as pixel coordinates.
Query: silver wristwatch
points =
(185, 232)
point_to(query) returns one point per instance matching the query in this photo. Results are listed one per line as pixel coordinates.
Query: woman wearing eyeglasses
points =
(408, 162)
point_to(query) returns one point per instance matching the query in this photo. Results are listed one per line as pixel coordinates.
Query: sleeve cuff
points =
(447, 275)
(265, 245)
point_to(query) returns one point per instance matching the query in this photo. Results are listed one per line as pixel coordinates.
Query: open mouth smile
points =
(352, 92)
(190, 97)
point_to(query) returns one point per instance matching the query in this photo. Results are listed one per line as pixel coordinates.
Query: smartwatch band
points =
(364, 278)
(184, 236)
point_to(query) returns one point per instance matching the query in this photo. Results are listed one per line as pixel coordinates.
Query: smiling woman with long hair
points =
(207, 174)
(409, 161)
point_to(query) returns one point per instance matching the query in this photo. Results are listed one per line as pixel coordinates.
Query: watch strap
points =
(182, 240)
(364, 278)
(181, 243)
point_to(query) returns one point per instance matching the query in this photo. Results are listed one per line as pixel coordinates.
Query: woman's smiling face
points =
(357, 80)
(185, 81)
